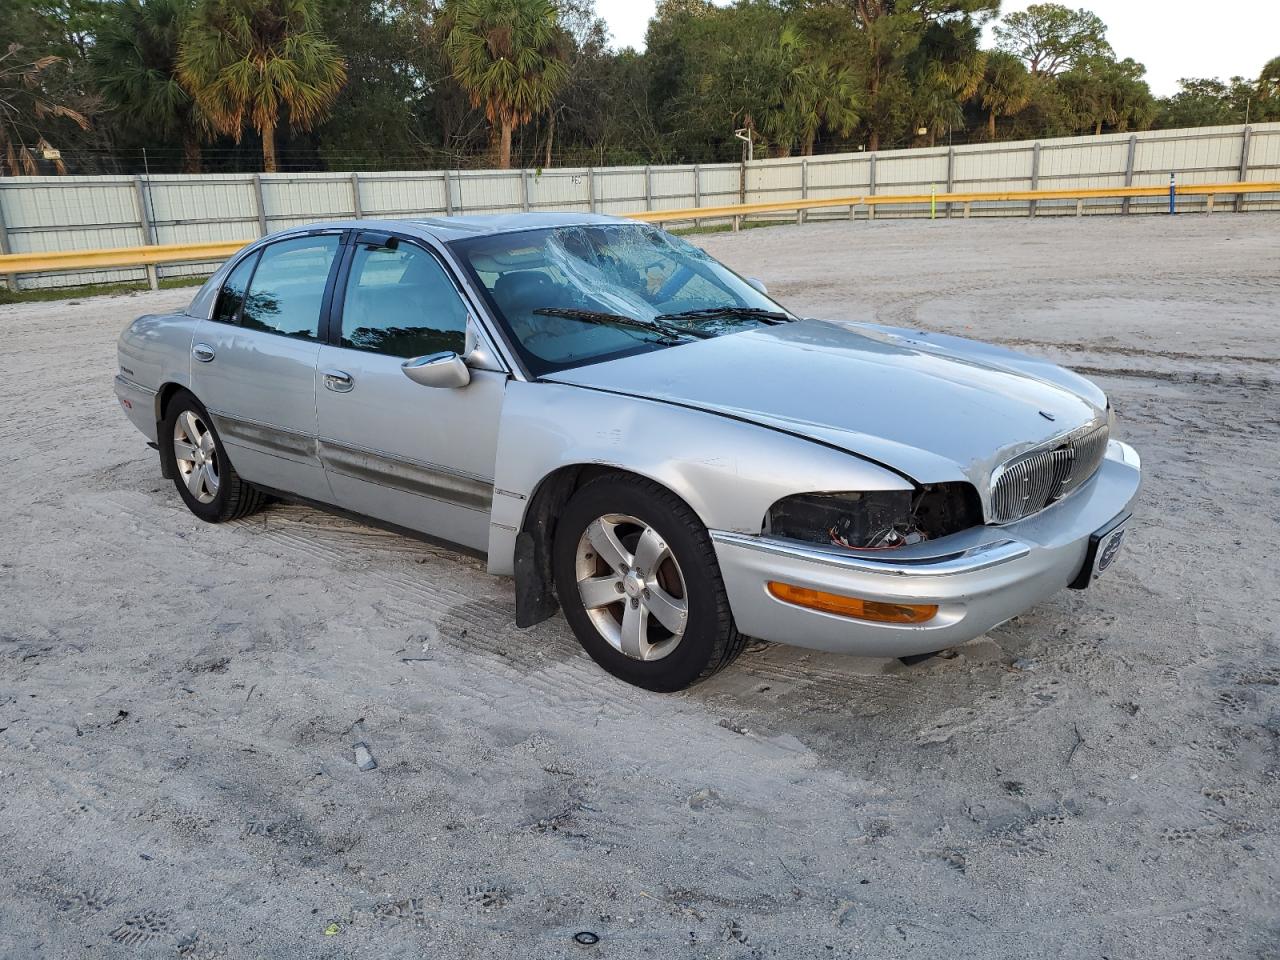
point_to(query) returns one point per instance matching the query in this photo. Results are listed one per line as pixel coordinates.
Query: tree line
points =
(107, 86)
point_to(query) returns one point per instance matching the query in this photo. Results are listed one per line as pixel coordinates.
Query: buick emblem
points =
(1110, 550)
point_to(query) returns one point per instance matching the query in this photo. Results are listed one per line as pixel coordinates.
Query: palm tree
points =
(251, 61)
(937, 110)
(136, 58)
(27, 112)
(1269, 79)
(810, 92)
(509, 57)
(1005, 88)
(1102, 92)
(835, 99)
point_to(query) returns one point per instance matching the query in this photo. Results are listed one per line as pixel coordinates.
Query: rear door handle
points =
(339, 381)
(202, 352)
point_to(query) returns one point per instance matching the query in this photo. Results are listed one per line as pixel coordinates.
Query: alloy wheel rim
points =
(196, 456)
(632, 587)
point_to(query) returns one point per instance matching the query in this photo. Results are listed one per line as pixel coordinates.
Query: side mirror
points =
(446, 370)
(758, 284)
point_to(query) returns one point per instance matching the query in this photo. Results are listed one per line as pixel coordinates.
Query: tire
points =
(218, 493)
(608, 532)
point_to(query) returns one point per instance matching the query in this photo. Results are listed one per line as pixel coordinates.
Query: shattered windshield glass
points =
(580, 294)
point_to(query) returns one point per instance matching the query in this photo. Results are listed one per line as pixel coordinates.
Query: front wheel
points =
(202, 471)
(637, 578)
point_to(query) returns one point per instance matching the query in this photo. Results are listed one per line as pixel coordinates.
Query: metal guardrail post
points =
(591, 189)
(448, 193)
(648, 187)
(951, 175)
(148, 229)
(871, 189)
(1035, 176)
(1246, 138)
(5, 247)
(524, 189)
(261, 204)
(355, 195)
(1128, 170)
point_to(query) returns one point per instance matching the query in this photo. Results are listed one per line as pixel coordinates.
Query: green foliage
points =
(1207, 102)
(135, 62)
(394, 105)
(1269, 80)
(1006, 88)
(1051, 38)
(509, 55)
(252, 62)
(449, 83)
(30, 112)
(1102, 93)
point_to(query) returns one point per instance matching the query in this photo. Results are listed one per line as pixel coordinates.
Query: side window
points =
(233, 289)
(401, 302)
(288, 288)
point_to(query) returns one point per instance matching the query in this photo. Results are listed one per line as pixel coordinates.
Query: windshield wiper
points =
(670, 332)
(770, 317)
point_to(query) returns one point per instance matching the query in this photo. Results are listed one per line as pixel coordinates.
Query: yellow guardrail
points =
(871, 201)
(50, 261)
(150, 256)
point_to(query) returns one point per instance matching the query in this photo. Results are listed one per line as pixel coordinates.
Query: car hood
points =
(930, 406)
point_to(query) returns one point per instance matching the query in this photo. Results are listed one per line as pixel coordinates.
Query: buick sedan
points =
(637, 435)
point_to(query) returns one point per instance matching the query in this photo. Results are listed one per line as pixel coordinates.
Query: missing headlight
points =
(877, 519)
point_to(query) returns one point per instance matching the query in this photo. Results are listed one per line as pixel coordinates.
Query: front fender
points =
(728, 471)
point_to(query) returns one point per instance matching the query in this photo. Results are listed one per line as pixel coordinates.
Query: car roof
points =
(446, 229)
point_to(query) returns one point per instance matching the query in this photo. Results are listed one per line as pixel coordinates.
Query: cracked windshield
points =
(581, 294)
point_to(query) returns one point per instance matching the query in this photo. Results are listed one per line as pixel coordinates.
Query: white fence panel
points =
(395, 196)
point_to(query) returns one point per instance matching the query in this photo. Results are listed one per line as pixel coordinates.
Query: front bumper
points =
(978, 578)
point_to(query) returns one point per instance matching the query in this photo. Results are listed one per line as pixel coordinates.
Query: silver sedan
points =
(640, 437)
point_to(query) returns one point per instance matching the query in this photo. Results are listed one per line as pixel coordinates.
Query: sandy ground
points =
(1098, 778)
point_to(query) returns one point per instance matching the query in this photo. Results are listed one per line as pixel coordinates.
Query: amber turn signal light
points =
(855, 607)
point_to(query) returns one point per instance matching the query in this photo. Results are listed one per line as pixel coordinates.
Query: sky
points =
(1174, 38)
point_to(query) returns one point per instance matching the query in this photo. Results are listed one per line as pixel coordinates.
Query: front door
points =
(255, 361)
(420, 457)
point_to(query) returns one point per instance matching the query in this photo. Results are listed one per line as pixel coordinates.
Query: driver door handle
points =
(202, 352)
(339, 381)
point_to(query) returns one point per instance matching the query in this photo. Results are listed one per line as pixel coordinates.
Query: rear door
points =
(255, 362)
(420, 457)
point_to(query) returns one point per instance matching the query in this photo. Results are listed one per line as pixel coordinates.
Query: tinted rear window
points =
(287, 289)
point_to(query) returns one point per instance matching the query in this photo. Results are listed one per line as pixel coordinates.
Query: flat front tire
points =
(202, 471)
(638, 581)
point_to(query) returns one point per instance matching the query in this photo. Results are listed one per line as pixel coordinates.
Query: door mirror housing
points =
(446, 370)
(758, 284)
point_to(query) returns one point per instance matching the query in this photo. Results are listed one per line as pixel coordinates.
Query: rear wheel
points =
(639, 584)
(202, 471)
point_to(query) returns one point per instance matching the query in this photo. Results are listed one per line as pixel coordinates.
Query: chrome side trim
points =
(134, 385)
(264, 437)
(411, 476)
(969, 560)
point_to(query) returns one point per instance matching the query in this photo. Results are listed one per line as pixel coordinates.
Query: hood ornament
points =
(1047, 415)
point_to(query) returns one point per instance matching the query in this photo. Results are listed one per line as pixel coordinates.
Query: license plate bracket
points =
(1104, 546)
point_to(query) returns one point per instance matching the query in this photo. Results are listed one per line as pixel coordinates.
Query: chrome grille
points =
(1033, 481)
